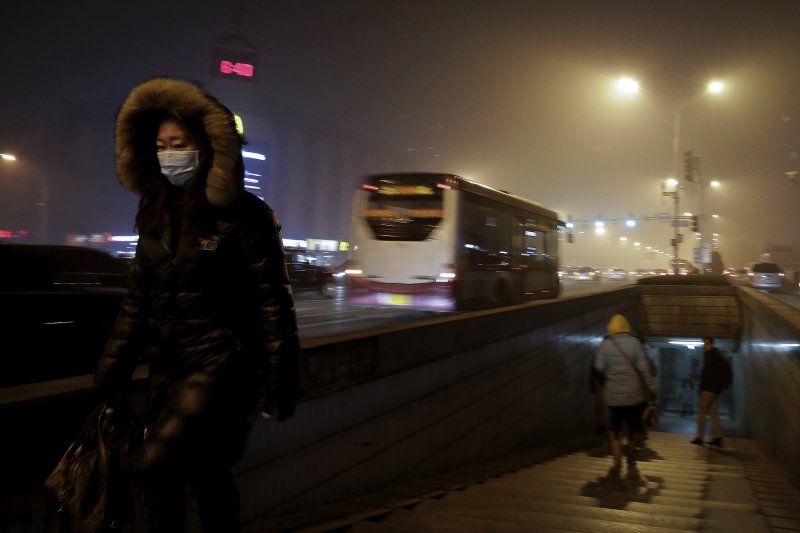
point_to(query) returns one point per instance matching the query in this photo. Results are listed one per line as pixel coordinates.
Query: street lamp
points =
(716, 87)
(42, 202)
(627, 86)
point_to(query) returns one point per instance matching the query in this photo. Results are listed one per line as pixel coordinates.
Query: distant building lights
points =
(254, 155)
(295, 243)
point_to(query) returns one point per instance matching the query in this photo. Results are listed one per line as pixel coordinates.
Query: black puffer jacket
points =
(213, 316)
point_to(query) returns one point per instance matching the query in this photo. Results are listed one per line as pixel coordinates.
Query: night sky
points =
(513, 94)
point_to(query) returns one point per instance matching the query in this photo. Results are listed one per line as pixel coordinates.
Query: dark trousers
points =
(161, 500)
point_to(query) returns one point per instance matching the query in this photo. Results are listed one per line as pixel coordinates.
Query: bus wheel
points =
(328, 290)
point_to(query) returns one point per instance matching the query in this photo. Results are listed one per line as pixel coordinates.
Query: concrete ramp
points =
(674, 486)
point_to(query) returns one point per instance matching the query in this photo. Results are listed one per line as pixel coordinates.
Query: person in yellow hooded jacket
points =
(628, 385)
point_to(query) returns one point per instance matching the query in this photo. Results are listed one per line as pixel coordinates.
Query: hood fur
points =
(135, 156)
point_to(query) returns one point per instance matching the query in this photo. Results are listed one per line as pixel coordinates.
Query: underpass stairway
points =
(674, 486)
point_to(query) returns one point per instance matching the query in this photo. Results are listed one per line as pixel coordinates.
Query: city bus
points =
(440, 242)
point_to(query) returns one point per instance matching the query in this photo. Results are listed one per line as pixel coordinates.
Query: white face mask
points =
(178, 165)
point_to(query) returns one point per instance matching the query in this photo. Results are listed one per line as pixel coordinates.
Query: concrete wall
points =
(415, 400)
(771, 353)
(689, 311)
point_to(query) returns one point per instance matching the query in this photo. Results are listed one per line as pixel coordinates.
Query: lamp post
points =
(44, 200)
(672, 187)
(704, 183)
(627, 87)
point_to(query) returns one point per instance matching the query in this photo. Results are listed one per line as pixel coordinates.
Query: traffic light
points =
(688, 165)
(695, 225)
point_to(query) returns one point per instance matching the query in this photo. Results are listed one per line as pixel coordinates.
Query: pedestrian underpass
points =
(408, 402)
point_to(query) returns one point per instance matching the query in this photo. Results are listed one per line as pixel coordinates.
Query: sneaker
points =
(698, 440)
(717, 441)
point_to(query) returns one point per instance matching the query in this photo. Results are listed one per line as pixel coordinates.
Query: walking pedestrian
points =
(715, 378)
(622, 360)
(208, 306)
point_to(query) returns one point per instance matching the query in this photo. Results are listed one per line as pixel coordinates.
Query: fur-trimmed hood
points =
(136, 160)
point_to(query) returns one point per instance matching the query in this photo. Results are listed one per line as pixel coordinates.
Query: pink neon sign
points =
(240, 69)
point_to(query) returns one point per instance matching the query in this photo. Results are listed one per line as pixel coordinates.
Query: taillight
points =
(447, 273)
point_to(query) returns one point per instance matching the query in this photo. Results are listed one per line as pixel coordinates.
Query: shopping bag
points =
(650, 415)
(90, 485)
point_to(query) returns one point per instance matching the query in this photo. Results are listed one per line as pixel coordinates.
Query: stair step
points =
(591, 486)
(683, 508)
(567, 474)
(415, 522)
(481, 499)
(608, 496)
(439, 513)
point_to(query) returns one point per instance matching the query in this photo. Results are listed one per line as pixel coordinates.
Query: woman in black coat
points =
(208, 307)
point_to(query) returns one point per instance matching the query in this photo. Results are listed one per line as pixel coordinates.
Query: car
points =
(617, 274)
(585, 274)
(305, 277)
(765, 276)
(737, 276)
(57, 307)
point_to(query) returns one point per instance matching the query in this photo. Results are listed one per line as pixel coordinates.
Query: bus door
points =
(538, 275)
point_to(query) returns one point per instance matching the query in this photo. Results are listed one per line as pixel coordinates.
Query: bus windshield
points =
(407, 212)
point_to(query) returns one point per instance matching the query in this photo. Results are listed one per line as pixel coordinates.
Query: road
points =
(318, 316)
